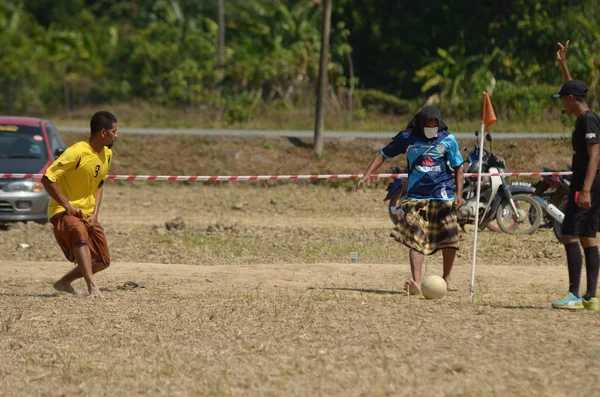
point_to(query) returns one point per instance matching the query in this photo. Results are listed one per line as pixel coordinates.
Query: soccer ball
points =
(433, 287)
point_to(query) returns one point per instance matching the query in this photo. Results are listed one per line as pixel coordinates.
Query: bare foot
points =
(63, 286)
(449, 286)
(94, 293)
(412, 287)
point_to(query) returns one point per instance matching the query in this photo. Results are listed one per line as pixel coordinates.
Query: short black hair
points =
(102, 120)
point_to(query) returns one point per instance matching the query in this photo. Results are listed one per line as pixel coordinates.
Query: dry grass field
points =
(198, 155)
(248, 290)
(144, 114)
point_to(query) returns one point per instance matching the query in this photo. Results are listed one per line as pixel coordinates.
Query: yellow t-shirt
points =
(79, 173)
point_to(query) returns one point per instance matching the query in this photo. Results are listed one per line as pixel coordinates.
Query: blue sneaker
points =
(569, 302)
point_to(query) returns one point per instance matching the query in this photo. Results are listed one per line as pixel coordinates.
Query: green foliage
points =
(455, 75)
(68, 53)
(208, 141)
(269, 144)
(380, 102)
(529, 102)
(510, 101)
(360, 114)
(239, 108)
(459, 48)
(18, 63)
(65, 54)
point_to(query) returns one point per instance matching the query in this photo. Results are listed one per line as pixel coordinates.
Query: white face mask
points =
(430, 132)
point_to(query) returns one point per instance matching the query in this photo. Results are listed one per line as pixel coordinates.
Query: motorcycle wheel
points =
(556, 225)
(482, 226)
(493, 227)
(548, 221)
(528, 224)
(394, 206)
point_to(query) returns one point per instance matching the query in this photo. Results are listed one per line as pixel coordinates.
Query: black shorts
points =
(582, 222)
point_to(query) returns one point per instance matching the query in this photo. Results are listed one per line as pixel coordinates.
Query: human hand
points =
(561, 54)
(583, 199)
(364, 181)
(92, 220)
(457, 203)
(75, 211)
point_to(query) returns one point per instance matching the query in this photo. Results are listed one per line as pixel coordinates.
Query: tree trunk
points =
(221, 38)
(351, 92)
(67, 98)
(10, 98)
(322, 84)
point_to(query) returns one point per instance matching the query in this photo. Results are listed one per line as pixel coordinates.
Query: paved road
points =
(307, 134)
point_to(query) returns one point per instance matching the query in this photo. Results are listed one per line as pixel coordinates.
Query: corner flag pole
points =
(488, 118)
(472, 285)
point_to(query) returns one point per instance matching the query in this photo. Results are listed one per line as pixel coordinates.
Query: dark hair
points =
(102, 120)
(580, 98)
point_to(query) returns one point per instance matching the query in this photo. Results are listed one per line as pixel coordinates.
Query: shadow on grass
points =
(299, 143)
(367, 291)
(517, 307)
(57, 294)
(54, 295)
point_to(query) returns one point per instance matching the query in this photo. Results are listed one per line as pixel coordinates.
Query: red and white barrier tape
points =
(223, 178)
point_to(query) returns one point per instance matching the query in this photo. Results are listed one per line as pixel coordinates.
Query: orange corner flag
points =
(487, 111)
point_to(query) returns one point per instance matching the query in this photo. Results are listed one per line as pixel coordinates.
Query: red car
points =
(27, 146)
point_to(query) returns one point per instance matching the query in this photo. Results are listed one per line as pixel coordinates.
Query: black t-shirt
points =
(587, 130)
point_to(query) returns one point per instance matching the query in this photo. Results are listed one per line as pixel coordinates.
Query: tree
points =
(66, 53)
(221, 23)
(22, 61)
(455, 74)
(322, 84)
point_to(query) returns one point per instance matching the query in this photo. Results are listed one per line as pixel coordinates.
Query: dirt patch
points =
(319, 329)
(248, 291)
(196, 224)
(191, 155)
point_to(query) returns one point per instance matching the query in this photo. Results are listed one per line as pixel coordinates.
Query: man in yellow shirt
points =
(75, 184)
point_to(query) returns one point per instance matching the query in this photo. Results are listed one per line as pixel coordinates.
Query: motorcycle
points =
(552, 193)
(511, 205)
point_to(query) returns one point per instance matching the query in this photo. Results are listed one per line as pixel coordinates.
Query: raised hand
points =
(561, 54)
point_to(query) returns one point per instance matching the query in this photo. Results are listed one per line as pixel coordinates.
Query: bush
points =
(518, 102)
(510, 102)
(380, 102)
(238, 108)
(360, 114)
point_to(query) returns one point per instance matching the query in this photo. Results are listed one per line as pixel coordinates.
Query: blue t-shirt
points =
(429, 174)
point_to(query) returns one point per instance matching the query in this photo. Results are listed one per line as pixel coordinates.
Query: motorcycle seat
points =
(548, 169)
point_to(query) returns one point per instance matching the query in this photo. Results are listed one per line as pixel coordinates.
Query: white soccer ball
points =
(433, 287)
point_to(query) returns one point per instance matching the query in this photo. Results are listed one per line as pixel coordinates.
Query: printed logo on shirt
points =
(428, 165)
(60, 164)
(591, 135)
(443, 193)
(440, 148)
(428, 161)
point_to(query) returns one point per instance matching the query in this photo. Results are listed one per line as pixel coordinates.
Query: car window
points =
(56, 141)
(22, 141)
